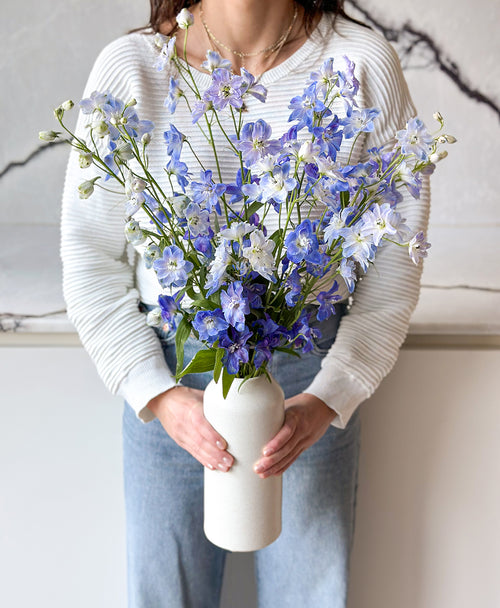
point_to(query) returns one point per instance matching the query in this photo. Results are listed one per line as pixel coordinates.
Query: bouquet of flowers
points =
(240, 290)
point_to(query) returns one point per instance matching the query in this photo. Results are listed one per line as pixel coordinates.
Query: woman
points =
(170, 562)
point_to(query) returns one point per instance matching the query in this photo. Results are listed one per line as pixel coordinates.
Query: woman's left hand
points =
(307, 419)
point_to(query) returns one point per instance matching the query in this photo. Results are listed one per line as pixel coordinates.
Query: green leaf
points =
(181, 335)
(227, 380)
(253, 208)
(203, 361)
(218, 364)
(290, 351)
(276, 235)
(205, 304)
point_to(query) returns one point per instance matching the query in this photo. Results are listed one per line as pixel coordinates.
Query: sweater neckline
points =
(203, 79)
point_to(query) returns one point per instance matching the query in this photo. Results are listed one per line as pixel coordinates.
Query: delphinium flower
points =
(151, 253)
(134, 233)
(218, 266)
(306, 106)
(234, 305)
(418, 247)
(235, 345)
(184, 19)
(250, 87)
(172, 269)
(197, 220)
(174, 94)
(381, 220)
(210, 324)
(226, 89)
(357, 121)
(236, 231)
(327, 301)
(95, 102)
(302, 335)
(347, 271)
(214, 61)
(302, 244)
(277, 184)
(169, 306)
(255, 142)
(260, 255)
(358, 245)
(338, 223)
(207, 192)
(324, 78)
(167, 53)
(415, 139)
(179, 169)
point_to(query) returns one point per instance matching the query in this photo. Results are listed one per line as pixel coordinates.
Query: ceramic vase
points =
(243, 511)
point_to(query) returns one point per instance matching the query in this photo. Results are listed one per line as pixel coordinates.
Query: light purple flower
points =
(209, 324)
(207, 192)
(225, 89)
(255, 142)
(214, 61)
(250, 87)
(357, 121)
(171, 269)
(197, 219)
(417, 247)
(327, 300)
(235, 305)
(415, 139)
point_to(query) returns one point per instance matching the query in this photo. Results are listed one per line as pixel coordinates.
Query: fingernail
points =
(220, 445)
(267, 451)
(258, 468)
(211, 467)
(222, 467)
(226, 460)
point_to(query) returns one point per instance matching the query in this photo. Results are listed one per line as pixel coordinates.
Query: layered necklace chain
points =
(272, 48)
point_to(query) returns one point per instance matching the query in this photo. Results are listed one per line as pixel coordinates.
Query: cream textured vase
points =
(243, 511)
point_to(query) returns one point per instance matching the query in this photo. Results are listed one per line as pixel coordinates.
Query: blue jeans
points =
(170, 562)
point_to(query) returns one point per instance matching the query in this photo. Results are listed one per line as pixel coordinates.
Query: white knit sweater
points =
(102, 287)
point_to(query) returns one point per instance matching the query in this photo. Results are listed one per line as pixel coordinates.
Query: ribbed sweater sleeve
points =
(370, 335)
(98, 280)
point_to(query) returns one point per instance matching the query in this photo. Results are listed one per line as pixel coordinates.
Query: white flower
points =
(184, 19)
(237, 231)
(417, 247)
(260, 254)
(437, 156)
(67, 105)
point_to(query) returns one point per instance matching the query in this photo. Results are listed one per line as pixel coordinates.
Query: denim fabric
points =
(170, 562)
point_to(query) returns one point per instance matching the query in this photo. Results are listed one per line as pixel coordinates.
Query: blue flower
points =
(151, 253)
(207, 192)
(327, 301)
(203, 245)
(262, 353)
(305, 106)
(358, 245)
(348, 273)
(249, 87)
(235, 305)
(197, 220)
(169, 307)
(176, 167)
(209, 324)
(276, 185)
(95, 102)
(415, 139)
(214, 61)
(302, 244)
(173, 96)
(236, 349)
(357, 121)
(294, 283)
(174, 140)
(171, 269)
(325, 78)
(225, 89)
(255, 142)
(301, 335)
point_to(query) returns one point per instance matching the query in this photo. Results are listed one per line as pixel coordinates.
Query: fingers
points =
(283, 448)
(284, 434)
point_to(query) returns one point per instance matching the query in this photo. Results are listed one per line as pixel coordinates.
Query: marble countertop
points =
(33, 302)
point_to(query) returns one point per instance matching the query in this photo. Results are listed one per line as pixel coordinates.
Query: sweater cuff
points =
(146, 380)
(340, 391)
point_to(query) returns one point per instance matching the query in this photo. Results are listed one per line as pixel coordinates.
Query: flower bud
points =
(131, 102)
(67, 105)
(48, 135)
(184, 19)
(437, 156)
(146, 138)
(138, 184)
(437, 116)
(133, 233)
(59, 112)
(450, 139)
(153, 317)
(100, 128)
(85, 160)
(160, 40)
(86, 189)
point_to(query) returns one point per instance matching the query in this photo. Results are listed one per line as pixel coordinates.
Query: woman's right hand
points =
(180, 411)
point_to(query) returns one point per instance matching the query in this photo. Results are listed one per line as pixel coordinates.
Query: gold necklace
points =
(276, 46)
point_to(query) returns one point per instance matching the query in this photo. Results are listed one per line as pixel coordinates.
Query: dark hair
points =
(166, 10)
